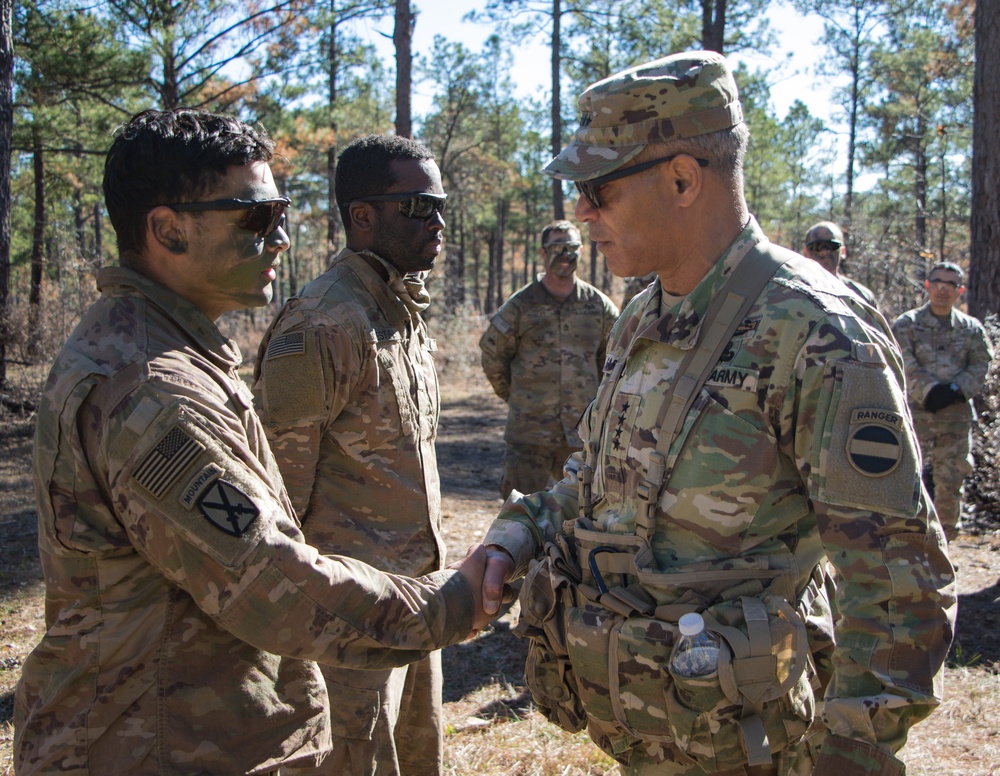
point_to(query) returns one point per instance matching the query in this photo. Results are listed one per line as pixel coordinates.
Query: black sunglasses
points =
(592, 189)
(940, 282)
(413, 205)
(821, 246)
(263, 216)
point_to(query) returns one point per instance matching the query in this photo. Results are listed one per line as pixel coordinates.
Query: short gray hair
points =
(725, 151)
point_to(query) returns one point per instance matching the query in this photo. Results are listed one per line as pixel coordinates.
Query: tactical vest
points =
(602, 618)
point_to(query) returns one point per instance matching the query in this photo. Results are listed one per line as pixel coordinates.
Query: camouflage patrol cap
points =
(683, 95)
(825, 230)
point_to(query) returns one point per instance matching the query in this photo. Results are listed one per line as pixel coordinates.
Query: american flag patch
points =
(293, 344)
(165, 462)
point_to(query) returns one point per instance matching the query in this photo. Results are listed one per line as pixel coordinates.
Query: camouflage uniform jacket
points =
(771, 466)
(861, 290)
(544, 358)
(958, 352)
(348, 392)
(183, 607)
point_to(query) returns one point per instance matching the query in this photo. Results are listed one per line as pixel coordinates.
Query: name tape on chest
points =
(874, 443)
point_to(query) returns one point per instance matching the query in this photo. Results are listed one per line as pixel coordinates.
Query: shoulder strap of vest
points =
(724, 314)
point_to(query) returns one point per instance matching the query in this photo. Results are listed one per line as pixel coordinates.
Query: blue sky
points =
(797, 34)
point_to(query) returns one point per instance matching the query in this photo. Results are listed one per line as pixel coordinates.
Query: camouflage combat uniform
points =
(544, 357)
(176, 575)
(861, 290)
(634, 285)
(958, 352)
(348, 392)
(799, 446)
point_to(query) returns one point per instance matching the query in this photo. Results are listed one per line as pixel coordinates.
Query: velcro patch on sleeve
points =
(292, 344)
(875, 441)
(228, 508)
(294, 385)
(501, 323)
(167, 461)
(870, 459)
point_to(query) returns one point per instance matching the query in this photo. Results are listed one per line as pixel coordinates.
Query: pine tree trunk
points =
(984, 277)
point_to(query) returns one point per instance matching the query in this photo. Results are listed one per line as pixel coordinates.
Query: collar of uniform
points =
(679, 326)
(545, 295)
(122, 281)
(926, 314)
(369, 268)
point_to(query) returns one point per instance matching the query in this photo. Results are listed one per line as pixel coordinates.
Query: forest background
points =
(915, 114)
(902, 116)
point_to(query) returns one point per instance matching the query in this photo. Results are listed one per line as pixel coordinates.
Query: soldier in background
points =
(543, 353)
(750, 428)
(634, 285)
(346, 386)
(183, 609)
(947, 354)
(825, 246)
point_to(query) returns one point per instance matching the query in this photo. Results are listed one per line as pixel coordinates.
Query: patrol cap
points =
(825, 231)
(683, 95)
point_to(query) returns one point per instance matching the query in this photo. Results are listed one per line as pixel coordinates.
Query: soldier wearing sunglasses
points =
(947, 354)
(824, 244)
(543, 353)
(347, 388)
(750, 430)
(184, 610)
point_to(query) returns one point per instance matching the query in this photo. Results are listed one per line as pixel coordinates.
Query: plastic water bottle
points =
(697, 652)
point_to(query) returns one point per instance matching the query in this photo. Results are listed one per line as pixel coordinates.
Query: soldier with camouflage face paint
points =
(947, 354)
(347, 389)
(183, 608)
(825, 246)
(543, 353)
(750, 428)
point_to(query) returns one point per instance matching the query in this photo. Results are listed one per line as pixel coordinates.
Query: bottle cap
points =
(691, 624)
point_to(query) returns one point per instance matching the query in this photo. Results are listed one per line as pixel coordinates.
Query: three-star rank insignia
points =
(228, 508)
(875, 443)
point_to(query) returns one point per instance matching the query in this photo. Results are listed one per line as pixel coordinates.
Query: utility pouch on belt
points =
(609, 668)
(546, 593)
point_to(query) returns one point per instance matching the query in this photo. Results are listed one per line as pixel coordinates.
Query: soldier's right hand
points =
(472, 567)
(499, 570)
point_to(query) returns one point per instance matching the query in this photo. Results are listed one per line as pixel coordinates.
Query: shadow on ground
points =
(470, 445)
(977, 633)
(497, 654)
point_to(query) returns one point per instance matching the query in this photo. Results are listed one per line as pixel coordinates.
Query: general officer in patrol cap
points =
(750, 429)
(183, 609)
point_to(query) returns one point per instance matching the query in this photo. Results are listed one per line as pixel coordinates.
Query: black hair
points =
(951, 267)
(364, 168)
(164, 157)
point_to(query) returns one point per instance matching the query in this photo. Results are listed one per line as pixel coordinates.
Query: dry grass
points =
(492, 728)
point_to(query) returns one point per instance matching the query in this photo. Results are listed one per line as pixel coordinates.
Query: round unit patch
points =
(874, 449)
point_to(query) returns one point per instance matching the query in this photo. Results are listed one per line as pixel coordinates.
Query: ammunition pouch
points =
(546, 593)
(603, 626)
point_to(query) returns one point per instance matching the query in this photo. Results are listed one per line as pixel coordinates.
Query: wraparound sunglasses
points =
(263, 216)
(417, 205)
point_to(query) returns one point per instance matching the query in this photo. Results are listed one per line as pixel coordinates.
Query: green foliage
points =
(301, 69)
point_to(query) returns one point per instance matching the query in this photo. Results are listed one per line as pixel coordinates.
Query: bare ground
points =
(491, 726)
